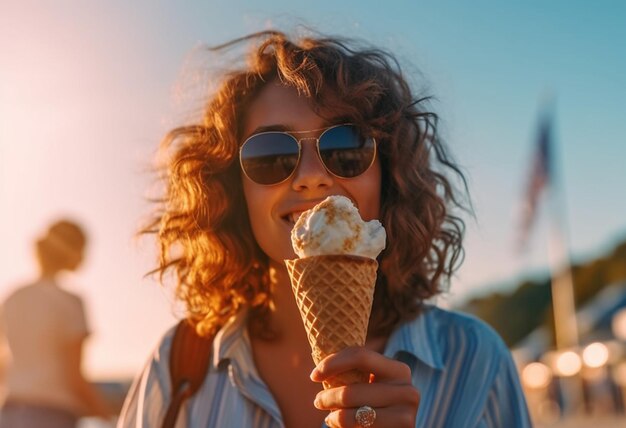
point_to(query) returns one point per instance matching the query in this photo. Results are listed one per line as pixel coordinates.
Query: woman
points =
(45, 328)
(224, 229)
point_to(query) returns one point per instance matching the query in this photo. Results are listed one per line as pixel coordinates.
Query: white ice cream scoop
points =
(334, 227)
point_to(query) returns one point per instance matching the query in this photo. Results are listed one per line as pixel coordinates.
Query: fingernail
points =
(314, 374)
(316, 403)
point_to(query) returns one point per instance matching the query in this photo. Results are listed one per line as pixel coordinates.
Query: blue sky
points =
(88, 88)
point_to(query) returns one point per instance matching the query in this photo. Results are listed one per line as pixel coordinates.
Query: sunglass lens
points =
(346, 152)
(270, 157)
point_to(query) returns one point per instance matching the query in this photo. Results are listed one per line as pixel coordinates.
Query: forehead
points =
(281, 106)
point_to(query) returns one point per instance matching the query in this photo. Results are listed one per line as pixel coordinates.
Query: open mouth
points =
(291, 218)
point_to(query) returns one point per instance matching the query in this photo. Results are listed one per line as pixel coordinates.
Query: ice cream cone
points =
(334, 294)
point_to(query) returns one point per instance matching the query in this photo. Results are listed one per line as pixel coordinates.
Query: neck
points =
(284, 315)
(47, 275)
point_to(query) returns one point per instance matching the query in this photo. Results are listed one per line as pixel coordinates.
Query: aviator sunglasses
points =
(271, 157)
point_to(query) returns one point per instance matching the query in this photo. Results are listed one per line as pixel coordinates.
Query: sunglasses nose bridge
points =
(300, 140)
(317, 147)
(301, 146)
(310, 164)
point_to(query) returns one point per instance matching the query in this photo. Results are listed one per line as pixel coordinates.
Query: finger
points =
(359, 358)
(374, 395)
(385, 418)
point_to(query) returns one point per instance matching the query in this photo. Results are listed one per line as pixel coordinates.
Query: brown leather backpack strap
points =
(189, 364)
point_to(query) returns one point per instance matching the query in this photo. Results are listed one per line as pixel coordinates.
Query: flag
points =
(539, 178)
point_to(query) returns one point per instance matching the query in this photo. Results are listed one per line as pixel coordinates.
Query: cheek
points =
(270, 234)
(366, 191)
(255, 201)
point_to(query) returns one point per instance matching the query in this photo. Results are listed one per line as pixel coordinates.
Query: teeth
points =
(293, 217)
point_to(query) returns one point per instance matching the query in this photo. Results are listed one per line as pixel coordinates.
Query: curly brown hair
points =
(202, 222)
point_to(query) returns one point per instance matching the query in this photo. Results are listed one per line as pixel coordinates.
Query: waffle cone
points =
(334, 294)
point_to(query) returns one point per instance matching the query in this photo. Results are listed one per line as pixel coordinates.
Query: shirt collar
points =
(231, 339)
(232, 348)
(418, 338)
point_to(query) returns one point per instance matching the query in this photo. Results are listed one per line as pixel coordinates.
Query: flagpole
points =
(562, 284)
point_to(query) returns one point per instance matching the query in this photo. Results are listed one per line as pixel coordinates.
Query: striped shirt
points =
(461, 367)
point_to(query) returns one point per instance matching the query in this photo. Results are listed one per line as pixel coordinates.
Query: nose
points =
(310, 173)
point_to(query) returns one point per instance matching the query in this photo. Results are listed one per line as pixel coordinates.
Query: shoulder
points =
(49, 293)
(461, 338)
(151, 390)
(19, 294)
(158, 363)
(164, 347)
(70, 307)
(475, 377)
(458, 326)
(40, 295)
(70, 298)
(156, 371)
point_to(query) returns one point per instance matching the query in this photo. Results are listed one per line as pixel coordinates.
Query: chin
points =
(280, 257)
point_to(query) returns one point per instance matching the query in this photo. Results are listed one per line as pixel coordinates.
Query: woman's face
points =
(272, 209)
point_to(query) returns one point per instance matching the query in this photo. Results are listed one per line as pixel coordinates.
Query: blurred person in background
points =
(45, 328)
